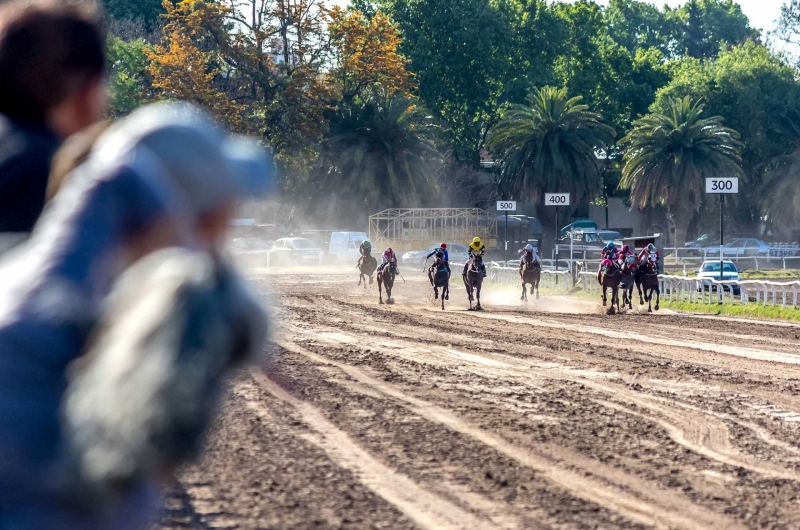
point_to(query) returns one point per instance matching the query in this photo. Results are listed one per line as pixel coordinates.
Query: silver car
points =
(741, 247)
(456, 253)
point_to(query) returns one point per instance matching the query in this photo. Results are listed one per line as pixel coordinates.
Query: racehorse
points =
(366, 266)
(386, 279)
(628, 280)
(530, 272)
(647, 279)
(473, 280)
(440, 279)
(609, 276)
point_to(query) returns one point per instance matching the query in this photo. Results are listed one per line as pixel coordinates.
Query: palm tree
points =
(381, 148)
(669, 155)
(781, 187)
(550, 144)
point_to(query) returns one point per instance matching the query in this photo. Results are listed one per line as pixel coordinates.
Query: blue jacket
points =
(51, 290)
(444, 251)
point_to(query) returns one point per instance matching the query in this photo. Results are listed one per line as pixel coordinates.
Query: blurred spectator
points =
(52, 61)
(163, 177)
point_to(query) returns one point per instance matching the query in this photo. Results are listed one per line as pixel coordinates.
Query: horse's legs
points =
(524, 292)
(648, 295)
(604, 295)
(478, 294)
(658, 297)
(444, 292)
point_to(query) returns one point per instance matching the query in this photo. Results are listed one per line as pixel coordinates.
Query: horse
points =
(473, 280)
(628, 280)
(386, 280)
(609, 276)
(530, 272)
(647, 279)
(366, 266)
(441, 279)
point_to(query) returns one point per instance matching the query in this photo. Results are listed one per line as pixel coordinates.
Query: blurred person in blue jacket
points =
(166, 176)
(52, 85)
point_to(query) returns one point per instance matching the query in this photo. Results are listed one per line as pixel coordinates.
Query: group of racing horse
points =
(617, 269)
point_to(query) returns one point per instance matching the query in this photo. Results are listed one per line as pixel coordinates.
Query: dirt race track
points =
(548, 414)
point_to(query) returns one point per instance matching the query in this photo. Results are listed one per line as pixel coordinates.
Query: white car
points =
(296, 250)
(710, 271)
(344, 246)
(456, 253)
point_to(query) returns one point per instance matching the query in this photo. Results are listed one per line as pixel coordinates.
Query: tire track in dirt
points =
(696, 430)
(651, 505)
(424, 507)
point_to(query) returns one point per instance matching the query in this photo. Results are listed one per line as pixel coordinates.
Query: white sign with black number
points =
(556, 199)
(722, 185)
(506, 206)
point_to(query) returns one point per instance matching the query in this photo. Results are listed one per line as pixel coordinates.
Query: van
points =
(344, 246)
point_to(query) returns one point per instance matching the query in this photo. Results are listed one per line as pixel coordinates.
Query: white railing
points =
(497, 273)
(708, 291)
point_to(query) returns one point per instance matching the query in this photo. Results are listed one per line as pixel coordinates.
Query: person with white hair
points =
(150, 206)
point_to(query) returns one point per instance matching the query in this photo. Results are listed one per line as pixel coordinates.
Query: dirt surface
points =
(548, 414)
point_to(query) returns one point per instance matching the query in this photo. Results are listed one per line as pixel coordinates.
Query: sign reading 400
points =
(556, 199)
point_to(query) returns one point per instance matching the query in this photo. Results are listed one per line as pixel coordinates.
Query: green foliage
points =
(550, 144)
(128, 83)
(749, 310)
(146, 11)
(752, 90)
(706, 26)
(381, 148)
(668, 156)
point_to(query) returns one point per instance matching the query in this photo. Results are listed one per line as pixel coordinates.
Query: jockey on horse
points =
(650, 252)
(529, 250)
(624, 253)
(445, 256)
(609, 255)
(389, 257)
(366, 252)
(476, 248)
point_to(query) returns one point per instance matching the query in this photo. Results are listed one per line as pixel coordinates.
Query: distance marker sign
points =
(722, 185)
(506, 206)
(556, 199)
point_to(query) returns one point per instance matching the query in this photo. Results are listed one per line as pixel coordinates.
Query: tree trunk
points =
(547, 216)
(682, 217)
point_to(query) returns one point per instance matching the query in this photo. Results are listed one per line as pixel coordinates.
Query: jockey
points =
(365, 249)
(389, 257)
(443, 249)
(532, 250)
(624, 253)
(476, 248)
(649, 252)
(609, 255)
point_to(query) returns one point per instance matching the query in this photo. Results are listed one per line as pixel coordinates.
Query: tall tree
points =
(668, 155)
(707, 26)
(550, 144)
(781, 187)
(380, 149)
(144, 11)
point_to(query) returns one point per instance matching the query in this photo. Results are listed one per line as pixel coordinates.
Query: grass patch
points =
(779, 274)
(749, 310)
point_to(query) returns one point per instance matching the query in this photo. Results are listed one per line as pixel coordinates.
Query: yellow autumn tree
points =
(181, 70)
(366, 54)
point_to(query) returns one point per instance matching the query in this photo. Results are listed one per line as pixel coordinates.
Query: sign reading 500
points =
(506, 206)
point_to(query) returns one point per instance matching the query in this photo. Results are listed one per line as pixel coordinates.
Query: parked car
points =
(581, 225)
(250, 251)
(343, 246)
(710, 270)
(610, 235)
(296, 250)
(457, 253)
(741, 247)
(589, 242)
(701, 242)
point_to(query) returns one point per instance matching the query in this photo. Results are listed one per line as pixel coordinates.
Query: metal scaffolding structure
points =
(415, 228)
